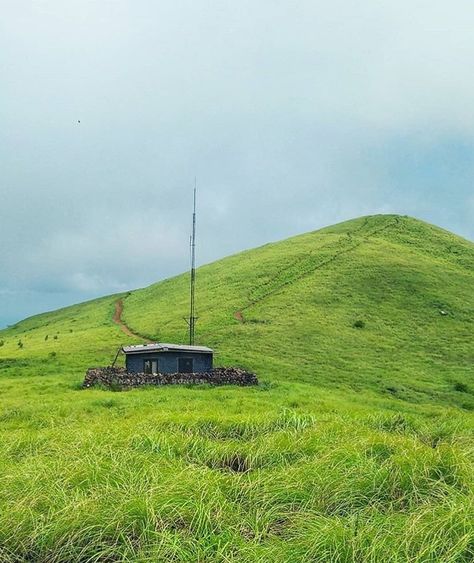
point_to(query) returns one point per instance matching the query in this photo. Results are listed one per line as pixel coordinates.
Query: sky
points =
(292, 115)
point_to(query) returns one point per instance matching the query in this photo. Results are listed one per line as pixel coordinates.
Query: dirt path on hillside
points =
(117, 318)
(239, 316)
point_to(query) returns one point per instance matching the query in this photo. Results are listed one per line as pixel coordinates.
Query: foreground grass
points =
(275, 473)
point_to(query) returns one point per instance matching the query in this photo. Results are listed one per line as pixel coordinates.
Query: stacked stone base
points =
(120, 378)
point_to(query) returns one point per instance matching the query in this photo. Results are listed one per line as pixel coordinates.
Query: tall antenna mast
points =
(192, 310)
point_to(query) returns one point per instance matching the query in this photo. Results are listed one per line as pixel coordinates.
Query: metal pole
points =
(192, 315)
(117, 355)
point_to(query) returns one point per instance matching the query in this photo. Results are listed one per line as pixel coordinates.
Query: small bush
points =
(52, 354)
(392, 423)
(116, 387)
(359, 324)
(20, 344)
(461, 387)
(55, 337)
(380, 451)
(46, 337)
(2, 343)
(267, 385)
(107, 403)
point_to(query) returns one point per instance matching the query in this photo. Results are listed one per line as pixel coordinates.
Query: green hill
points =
(381, 303)
(357, 446)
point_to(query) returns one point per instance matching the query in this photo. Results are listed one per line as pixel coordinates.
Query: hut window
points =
(185, 365)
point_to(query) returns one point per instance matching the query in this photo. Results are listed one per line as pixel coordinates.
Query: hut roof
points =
(165, 347)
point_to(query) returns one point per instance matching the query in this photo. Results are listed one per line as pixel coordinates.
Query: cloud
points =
(292, 116)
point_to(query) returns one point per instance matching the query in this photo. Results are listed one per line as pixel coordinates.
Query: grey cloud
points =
(292, 116)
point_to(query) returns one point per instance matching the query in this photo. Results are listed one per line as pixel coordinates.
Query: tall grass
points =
(183, 475)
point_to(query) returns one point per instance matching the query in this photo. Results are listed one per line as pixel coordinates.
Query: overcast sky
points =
(292, 114)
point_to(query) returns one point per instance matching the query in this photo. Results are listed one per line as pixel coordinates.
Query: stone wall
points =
(119, 377)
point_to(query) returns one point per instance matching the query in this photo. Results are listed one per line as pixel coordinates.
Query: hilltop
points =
(356, 446)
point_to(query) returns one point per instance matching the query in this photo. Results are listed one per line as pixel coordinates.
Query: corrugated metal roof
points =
(164, 347)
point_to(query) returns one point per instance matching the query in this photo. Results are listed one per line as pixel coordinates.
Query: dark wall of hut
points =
(169, 362)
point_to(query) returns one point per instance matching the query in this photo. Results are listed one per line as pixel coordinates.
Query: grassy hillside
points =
(357, 446)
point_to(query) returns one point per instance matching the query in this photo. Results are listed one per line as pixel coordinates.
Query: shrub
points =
(20, 344)
(461, 387)
(2, 342)
(46, 337)
(267, 385)
(359, 324)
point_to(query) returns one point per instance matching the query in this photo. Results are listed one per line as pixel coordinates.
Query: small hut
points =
(167, 358)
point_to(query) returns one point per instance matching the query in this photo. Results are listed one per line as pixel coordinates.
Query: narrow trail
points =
(117, 318)
(239, 316)
(307, 266)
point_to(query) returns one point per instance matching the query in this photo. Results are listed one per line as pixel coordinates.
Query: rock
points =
(119, 377)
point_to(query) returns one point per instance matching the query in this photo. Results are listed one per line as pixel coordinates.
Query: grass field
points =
(357, 445)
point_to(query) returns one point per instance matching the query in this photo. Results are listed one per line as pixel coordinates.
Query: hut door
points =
(150, 366)
(185, 365)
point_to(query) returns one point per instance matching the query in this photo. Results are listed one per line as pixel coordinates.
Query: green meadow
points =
(357, 445)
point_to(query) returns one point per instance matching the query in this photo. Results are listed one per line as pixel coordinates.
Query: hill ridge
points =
(322, 230)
